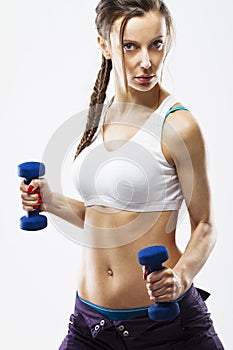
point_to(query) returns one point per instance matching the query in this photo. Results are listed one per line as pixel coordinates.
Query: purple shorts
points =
(191, 330)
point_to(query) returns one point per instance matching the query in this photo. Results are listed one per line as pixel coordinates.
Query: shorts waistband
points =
(123, 314)
(116, 314)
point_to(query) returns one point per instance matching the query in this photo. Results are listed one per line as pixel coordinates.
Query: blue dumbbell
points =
(32, 221)
(153, 257)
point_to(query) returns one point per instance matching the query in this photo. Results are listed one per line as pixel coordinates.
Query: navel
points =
(110, 272)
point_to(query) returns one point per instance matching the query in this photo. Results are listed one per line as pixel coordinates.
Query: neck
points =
(149, 99)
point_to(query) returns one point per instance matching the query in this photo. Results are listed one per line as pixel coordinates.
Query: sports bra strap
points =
(178, 108)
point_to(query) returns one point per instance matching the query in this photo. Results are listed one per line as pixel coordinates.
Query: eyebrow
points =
(134, 41)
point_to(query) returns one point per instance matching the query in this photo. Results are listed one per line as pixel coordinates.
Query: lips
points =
(145, 78)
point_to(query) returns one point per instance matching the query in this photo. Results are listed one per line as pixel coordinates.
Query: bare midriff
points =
(110, 275)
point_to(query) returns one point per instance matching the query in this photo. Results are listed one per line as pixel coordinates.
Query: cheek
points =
(130, 65)
(132, 62)
(158, 58)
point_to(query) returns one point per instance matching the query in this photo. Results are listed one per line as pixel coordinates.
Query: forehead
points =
(152, 24)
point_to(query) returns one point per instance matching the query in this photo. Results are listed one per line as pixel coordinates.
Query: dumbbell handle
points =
(153, 257)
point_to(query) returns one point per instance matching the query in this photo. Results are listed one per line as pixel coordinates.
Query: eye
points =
(157, 44)
(129, 47)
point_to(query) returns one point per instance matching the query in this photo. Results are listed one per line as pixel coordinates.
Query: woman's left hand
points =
(164, 285)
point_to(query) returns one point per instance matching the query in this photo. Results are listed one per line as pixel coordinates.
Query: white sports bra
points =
(134, 177)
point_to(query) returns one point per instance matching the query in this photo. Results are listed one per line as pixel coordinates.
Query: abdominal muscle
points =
(110, 275)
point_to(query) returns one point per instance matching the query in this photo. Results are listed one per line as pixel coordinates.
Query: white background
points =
(48, 62)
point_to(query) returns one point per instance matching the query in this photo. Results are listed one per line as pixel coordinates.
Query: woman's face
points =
(144, 46)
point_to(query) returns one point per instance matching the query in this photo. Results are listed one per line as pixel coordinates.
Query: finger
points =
(163, 284)
(159, 275)
(155, 288)
(33, 186)
(162, 291)
(162, 295)
(30, 208)
(165, 296)
(31, 203)
(29, 197)
(154, 276)
(23, 187)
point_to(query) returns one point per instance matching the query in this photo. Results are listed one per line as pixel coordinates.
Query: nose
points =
(145, 60)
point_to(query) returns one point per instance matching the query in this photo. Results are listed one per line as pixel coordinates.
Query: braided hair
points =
(107, 11)
(96, 104)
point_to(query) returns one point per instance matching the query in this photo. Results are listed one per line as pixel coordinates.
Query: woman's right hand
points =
(36, 195)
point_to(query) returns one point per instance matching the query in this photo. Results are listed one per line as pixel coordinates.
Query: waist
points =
(124, 313)
(116, 314)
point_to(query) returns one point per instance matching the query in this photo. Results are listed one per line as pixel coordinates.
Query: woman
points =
(138, 159)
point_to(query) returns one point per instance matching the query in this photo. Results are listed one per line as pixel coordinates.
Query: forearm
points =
(67, 208)
(196, 254)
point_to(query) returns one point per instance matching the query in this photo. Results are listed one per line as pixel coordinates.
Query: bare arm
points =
(186, 150)
(188, 153)
(66, 208)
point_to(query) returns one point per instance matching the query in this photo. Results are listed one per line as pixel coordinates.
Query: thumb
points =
(33, 185)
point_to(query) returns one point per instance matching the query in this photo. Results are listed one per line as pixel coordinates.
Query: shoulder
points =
(182, 134)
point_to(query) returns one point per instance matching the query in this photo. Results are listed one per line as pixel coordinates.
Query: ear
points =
(104, 46)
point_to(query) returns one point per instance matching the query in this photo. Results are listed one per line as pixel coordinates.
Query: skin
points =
(115, 278)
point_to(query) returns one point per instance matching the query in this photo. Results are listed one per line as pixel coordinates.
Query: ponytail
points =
(96, 105)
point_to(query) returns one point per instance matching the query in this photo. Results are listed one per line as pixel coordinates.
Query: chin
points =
(142, 87)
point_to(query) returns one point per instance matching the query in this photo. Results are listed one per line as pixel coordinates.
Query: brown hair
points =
(107, 12)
